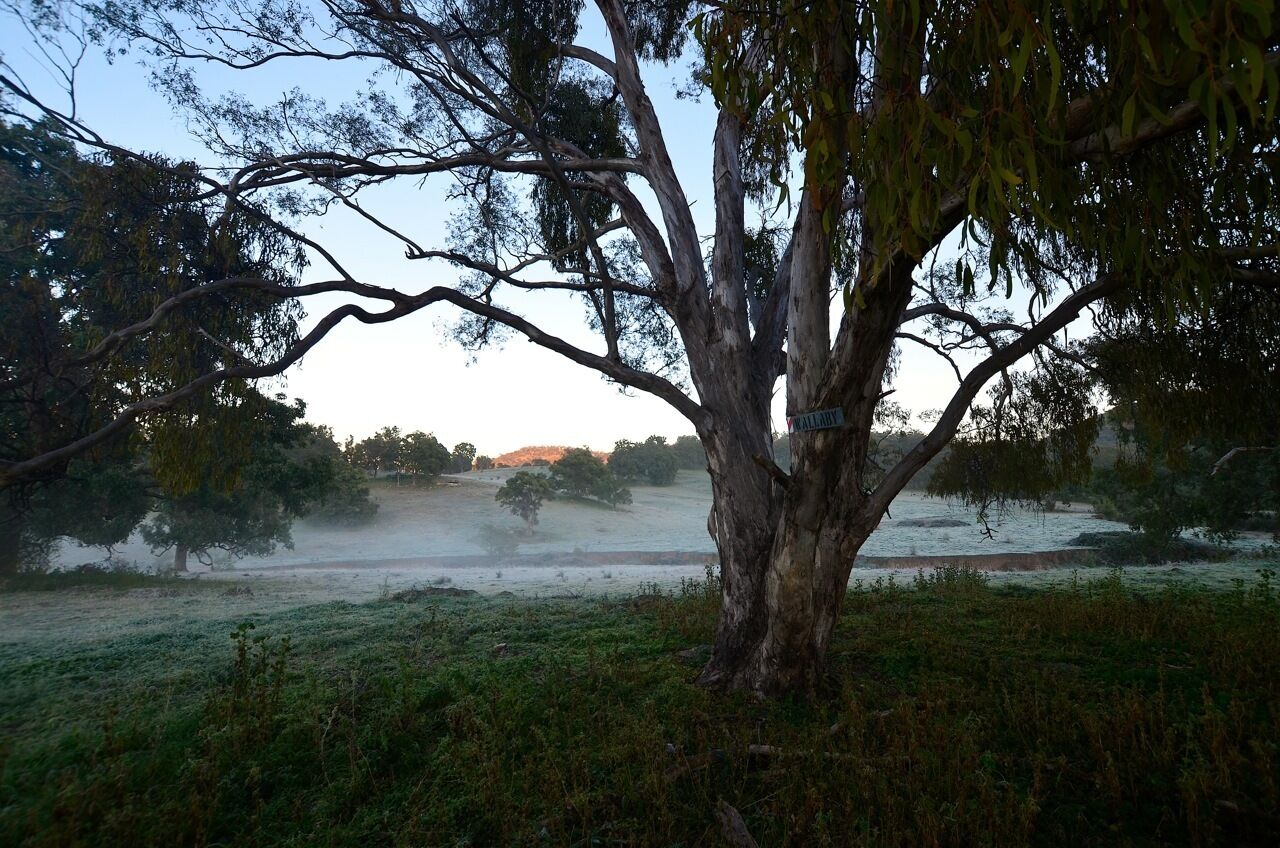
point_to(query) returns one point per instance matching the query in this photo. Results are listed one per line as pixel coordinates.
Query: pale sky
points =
(408, 373)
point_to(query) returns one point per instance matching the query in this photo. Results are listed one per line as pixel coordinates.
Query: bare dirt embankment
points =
(528, 454)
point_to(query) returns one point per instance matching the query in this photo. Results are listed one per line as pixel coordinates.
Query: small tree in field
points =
(484, 463)
(523, 494)
(971, 176)
(382, 451)
(609, 489)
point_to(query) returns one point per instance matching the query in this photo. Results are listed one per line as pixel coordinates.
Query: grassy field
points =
(955, 713)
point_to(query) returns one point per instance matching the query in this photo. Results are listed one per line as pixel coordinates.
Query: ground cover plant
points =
(88, 575)
(953, 713)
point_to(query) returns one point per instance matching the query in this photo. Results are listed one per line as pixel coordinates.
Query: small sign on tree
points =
(823, 419)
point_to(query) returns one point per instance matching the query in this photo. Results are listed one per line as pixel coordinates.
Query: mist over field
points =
(447, 517)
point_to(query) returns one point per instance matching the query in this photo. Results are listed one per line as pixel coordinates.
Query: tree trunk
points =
(744, 520)
(10, 538)
(180, 559)
(807, 580)
(785, 579)
(786, 548)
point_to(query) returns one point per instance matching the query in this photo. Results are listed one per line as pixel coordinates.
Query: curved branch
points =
(403, 305)
(912, 337)
(945, 428)
(591, 57)
(1112, 141)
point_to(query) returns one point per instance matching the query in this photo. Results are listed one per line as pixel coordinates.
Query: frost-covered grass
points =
(955, 712)
(94, 576)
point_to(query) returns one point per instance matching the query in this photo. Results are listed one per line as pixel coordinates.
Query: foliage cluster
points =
(523, 494)
(287, 470)
(88, 246)
(690, 454)
(652, 461)
(581, 474)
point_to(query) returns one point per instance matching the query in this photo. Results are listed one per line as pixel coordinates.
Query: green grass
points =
(954, 713)
(90, 576)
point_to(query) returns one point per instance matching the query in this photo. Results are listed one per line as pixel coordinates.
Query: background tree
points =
(576, 472)
(609, 489)
(483, 463)
(97, 504)
(88, 245)
(343, 497)
(275, 485)
(1194, 418)
(464, 455)
(353, 453)
(925, 161)
(523, 494)
(382, 451)
(689, 453)
(422, 455)
(652, 461)
(581, 474)
(346, 502)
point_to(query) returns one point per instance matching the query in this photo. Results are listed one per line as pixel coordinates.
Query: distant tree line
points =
(418, 455)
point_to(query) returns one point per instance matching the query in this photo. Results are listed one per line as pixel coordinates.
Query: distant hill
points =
(527, 455)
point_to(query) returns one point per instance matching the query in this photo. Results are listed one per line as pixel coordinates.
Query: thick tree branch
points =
(402, 305)
(728, 292)
(591, 57)
(771, 329)
(1233, 453)
(1112, 141)
(658, 169)
(1062, 315)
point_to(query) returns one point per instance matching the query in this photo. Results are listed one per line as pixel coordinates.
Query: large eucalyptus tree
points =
(933, 158)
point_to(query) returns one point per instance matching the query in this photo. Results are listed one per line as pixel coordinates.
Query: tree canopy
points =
(652, 461)
(89, 245)
(581, 474)
(523, 494)
(274, 485)
(968, 177)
